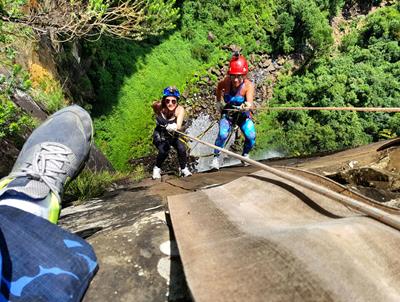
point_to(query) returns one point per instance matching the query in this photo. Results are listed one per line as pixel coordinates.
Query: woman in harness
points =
(169, 118)
(237, 92)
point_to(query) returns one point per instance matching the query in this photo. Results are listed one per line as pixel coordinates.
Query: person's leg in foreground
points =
(39, 260)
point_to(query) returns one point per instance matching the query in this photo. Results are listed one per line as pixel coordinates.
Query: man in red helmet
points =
(237, 93)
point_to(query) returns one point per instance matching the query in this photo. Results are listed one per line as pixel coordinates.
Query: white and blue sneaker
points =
(53, 154)
(186, 172)
(215, 163)
(156, 173)
(244, 163)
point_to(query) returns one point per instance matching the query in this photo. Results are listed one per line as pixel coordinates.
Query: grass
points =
(90, 184)
(126, 133)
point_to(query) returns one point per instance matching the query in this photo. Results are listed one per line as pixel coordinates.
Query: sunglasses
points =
(172, 101)
(236, 76)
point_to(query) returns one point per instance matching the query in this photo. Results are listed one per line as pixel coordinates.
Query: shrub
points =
(89, 184)
(12, 121)
(366, 73)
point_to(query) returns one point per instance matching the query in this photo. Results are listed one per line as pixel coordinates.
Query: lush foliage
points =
(12, 122)
(366, 72)
(255, 26)
(248, 24)
(127, 77)
(126, 132)
(302, 26)
(46, 89)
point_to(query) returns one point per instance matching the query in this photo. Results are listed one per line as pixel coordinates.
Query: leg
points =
(182, 157)
(40, 261)
(182, 154)
(163, 149)
(249, 132)
(224, 129)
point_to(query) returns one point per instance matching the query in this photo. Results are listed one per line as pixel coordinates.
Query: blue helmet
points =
(171, 91)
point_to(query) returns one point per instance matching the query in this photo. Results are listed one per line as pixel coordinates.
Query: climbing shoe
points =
(215, 163)
(156, 173)
(245, 164)
(186, 172)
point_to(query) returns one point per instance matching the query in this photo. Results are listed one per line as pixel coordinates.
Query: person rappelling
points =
(235, 95)
(169, 118)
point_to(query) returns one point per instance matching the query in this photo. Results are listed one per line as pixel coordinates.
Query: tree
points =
(89, 19)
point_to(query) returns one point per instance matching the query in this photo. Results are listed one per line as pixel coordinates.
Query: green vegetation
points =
(366, 72)
(47, 90)
(127, 76)
(127, 132)
(44, 88)
(90, 184)
(13, 123)
(256, 26)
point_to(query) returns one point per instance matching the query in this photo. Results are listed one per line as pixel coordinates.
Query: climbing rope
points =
(376, 213)
(362, 109)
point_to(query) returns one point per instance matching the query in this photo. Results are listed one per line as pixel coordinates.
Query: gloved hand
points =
(246, 106)
(171, 127)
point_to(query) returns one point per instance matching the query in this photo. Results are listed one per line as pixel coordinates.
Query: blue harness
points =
(234, 99)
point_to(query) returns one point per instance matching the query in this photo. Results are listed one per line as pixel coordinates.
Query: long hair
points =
(164, 109)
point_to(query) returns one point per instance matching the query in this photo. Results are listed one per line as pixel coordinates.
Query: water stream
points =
(207, 130)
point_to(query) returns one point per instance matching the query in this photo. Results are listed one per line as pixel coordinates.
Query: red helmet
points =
(238, 65)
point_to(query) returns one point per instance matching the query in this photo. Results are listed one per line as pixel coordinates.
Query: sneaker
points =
(53, 154)
(245, 164)
(215, 163)
(156, 173)
(186, 172)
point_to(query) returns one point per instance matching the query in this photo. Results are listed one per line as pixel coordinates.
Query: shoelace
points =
(46, 165)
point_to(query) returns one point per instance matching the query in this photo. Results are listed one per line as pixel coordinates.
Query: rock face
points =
(8, 155)
(264, 69)
(137, 255)
(130, 231)
(28, 105)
